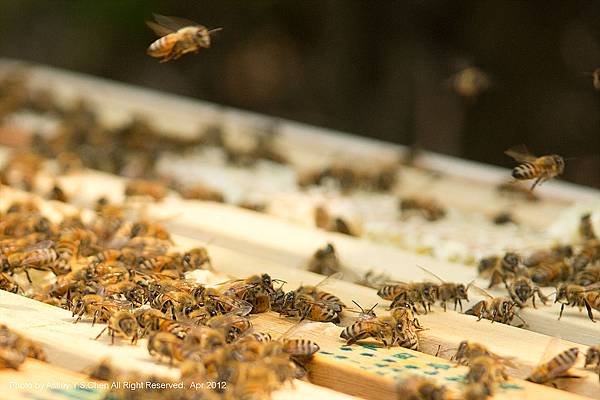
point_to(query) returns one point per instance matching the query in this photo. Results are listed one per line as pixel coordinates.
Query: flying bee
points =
(495, 309)
(592, 358)
(324, 261)
(448, 291)
(427, 208)
(178, 37)
(418, 387)
(522, 289)
(556, 367)
(486, 371)
(580, 296)
(122, 323)
(470, 82)
(539, 168)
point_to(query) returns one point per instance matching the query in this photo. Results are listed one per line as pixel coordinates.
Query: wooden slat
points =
(444, 329)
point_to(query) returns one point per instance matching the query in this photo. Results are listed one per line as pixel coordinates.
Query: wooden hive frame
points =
(206, 221)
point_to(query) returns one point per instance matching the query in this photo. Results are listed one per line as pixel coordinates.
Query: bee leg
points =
(27, 275)
(95, 317)
(101, 332)
(460, 304)
(562, 307)
(112, 336)
(589, 311)
(539, 180)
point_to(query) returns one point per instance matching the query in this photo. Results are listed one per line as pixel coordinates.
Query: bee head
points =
(202, 37)
(560, 162)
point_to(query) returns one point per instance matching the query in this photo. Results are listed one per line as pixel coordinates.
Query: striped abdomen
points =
(527, 171)
(555, 367)
(409, 339)
(390, 292)
(163, 46)
(300, 347)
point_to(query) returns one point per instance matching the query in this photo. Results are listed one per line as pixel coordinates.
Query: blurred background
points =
(381, 69)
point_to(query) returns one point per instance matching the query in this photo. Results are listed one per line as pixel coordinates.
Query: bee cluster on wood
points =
(124, 273)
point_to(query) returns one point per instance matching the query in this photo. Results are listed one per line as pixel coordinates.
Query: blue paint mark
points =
(346, 348)
(411, 366)
(403, 356)
(459, 378)
(367, 354)
(396, 369)
(439, 366)
(326, 352)
(370, 347)
(340, 357)
(431, 372)
(389, 360)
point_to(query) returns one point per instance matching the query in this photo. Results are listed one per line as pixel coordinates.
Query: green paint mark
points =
(367, 354)
(439, 366)
(364, 367)
(459, 378)
(412, 366)
(403, 356)
(396, 369)
(345, 348)
(380, 365)
(326, 352)
(431, 372)
(380, 373)
(370, 347)
(339, 357)
(511, 386)
(355, 361)
(389, 360)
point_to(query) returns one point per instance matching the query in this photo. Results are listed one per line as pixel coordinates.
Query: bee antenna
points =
(372, 308)
(359, 306)
(214, 30)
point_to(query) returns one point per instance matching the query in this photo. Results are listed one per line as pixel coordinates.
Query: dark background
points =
(374, 68)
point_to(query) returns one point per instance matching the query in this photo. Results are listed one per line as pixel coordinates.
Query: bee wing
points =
(331, 278)
(293, 329)
(159, 29)
(173, 23)
(482, 292)
(44, 244)
(432, 274)
(242, 307)
(552, 348)
(520, 153)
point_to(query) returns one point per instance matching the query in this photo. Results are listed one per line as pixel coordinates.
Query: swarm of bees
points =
(122, 273)
(573, 270)
(15, 348)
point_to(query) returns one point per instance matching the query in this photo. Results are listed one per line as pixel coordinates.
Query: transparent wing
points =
(520, 153)
(552, 348)
(174, 23)
(159, 29)
(328, 280)
(482, 292)
(432, 274)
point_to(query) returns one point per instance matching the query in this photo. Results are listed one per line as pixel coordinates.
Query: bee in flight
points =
(531, 167)
(178, 37)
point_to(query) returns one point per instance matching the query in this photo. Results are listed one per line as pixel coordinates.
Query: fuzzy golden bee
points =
(531, 167)
(486, 371)
(178, 37)
(578, 296)
(556, 367)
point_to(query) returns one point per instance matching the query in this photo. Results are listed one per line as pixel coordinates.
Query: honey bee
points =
(201, 340)
(154, 190)
(427, 208)
(500, 269)
(386, 329)
(324, 261)
(42, 257)
(486, 371)
(331, 300)
(470, 82)
(424, 293)
(522, 289)
(590, 253)
(496, 309)
(6, 283)
(122, 323)
(420, 388)
(374, 280)
(580, 296)
(92, 304)
(556, 367)
(15, 348)
(592, 358)
(586, 229)
(469, 350)
(233, 326)
(324, 220)
(595, 78)
(202, 192)
(539, 168)
(503, 218)
(178, 37)
(448, 291)
(364, 315)
(548, 256)
(588, 276)
(165, 345)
